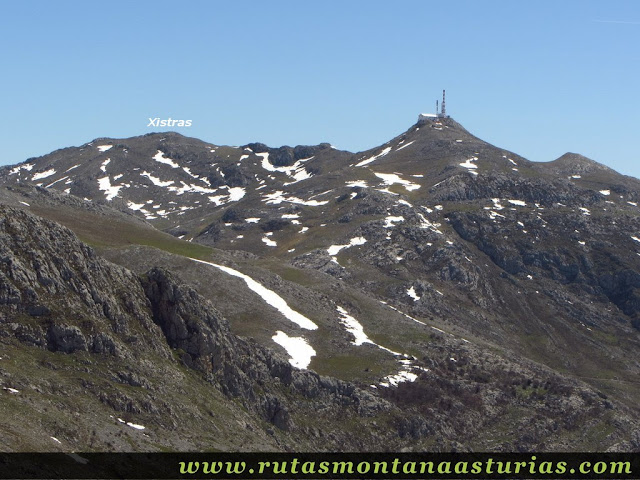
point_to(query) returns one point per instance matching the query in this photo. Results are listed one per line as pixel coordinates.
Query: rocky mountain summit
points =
(435, 292)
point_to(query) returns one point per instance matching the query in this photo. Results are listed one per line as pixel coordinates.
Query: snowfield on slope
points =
(334, 249)
(373, 158)
(406, 371)
(391, 178)
(299, 350)
(269, 296)
(297, 347)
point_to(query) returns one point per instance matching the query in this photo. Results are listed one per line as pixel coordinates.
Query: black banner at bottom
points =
(319, 465)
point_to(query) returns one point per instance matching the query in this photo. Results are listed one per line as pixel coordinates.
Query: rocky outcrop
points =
(241, 368)
(286, 156)
(195, 331)
(47, 275)
(462, 187)
(57, 294)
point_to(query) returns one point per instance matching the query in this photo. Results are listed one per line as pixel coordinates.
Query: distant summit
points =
(438, 291)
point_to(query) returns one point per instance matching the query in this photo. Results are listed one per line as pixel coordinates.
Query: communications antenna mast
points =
(443, 111)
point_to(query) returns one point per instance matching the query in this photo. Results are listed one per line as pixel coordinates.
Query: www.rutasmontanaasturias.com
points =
(404, 468)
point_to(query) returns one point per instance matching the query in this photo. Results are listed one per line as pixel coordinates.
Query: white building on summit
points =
(441, 114)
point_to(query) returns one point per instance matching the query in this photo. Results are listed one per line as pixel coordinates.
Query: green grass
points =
(102, 231)
(606, 338)
(290, 274)
(60, 405)
(358, 368)
(527, 393)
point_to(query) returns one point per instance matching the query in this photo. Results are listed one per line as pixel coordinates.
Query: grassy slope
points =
(114, 232)
(62, 396)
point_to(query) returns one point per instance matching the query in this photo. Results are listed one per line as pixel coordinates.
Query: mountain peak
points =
(574, 163)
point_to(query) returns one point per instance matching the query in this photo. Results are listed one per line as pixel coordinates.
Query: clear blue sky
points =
(539, 78)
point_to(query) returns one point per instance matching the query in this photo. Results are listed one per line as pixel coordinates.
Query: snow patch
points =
(135, 206)
(236, 193)
(297, 347)
(426, 224)
(160, 158)
(299, 175)
(45, 174)
(187, 170)
(334, 249)
(402, 376)
(353, 327)
(188, 187)
(496, 204)
(269, 242)
(278, 197)
(132, 425)
(56, 181)
(296, 171)
(110, 191)
(391, 178)
(412, 293)
(269, 296)
(404, 146)
(389, 222)
(26, 166)
(469, 163)
(156, 181)
(367, 161)
(104, 148)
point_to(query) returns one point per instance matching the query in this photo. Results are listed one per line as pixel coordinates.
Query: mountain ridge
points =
(435, 245)
(566, 158)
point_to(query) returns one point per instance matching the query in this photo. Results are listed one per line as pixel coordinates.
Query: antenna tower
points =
(443, 111)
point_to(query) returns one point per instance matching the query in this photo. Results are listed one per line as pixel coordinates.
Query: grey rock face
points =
(47, 274)
(241, 368)
(66, 339)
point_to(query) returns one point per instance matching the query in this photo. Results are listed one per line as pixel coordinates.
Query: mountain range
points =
(433, 293)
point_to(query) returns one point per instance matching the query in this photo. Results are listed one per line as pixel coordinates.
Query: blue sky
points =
(538, 78)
